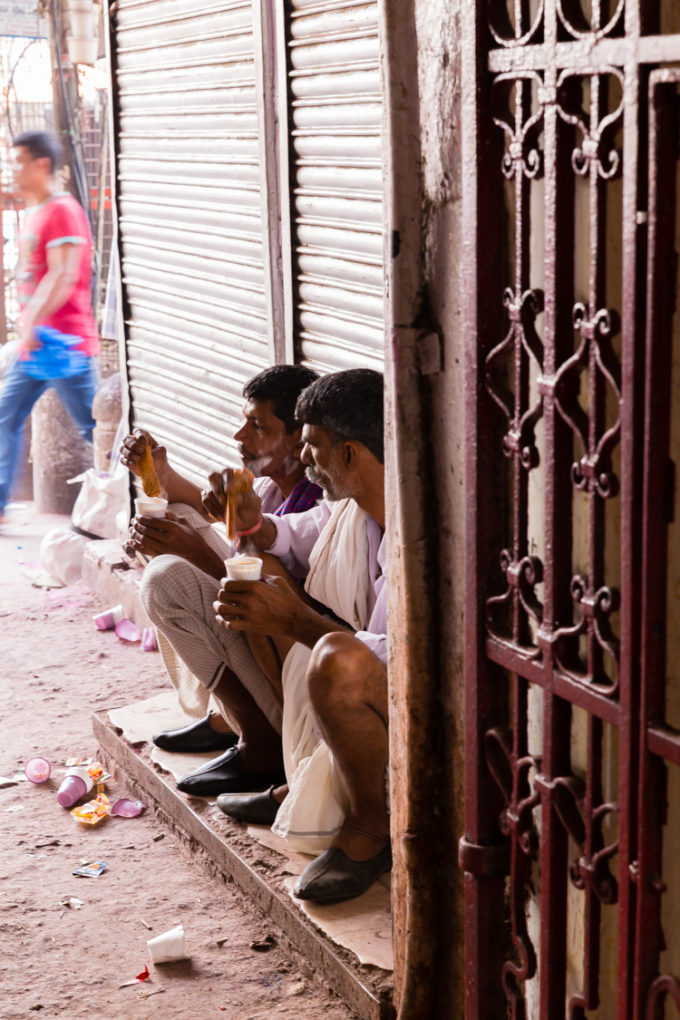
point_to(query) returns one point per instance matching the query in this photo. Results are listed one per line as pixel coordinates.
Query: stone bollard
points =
(22, 483)
(107, 408)
(58, 453)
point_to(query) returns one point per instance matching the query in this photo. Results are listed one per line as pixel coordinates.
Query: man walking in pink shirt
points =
(54, 280)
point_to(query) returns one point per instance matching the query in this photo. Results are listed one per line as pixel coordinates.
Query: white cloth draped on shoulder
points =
(315, 807)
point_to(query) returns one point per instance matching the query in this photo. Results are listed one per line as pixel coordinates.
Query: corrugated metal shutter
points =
(336, 110)
(190, 220)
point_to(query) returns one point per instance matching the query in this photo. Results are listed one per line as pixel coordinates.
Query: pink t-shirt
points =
(59, 220)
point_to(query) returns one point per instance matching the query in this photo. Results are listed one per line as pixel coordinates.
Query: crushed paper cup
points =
(109, 618)
(149, 643)
(126, 630)
(124, 808)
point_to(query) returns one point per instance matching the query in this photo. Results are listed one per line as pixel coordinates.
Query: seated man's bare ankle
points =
(218, 723)
(258, 758)
(360, 842)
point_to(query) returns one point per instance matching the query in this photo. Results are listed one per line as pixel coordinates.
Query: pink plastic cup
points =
(73, 787)
(37, 770)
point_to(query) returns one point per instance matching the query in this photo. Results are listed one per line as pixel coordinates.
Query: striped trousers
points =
(178, 598)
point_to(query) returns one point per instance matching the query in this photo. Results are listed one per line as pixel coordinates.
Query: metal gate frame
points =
(541, 602)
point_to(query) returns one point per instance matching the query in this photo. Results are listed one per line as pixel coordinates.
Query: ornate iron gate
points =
(570, 151)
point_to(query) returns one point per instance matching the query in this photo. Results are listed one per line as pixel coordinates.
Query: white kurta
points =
(344, 577)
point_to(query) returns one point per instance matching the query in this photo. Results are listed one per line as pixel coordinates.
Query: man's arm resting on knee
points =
(271, 607)
(174, 536)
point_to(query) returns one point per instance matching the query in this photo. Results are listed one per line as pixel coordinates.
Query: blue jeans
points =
(17, 397)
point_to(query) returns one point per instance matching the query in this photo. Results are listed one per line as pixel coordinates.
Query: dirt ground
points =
(62, 958)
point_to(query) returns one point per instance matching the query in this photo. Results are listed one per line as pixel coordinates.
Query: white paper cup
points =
(244, 568)
(168, 947)
(151, 506)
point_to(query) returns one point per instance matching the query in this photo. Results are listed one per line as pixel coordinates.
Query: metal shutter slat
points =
(336, 117)
(190, 217)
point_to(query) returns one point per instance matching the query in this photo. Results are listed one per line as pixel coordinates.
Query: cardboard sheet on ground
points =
(363, 925)
(161, 712)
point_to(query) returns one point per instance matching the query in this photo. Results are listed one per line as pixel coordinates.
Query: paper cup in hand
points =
(244, 568)
(150, 506)
(168, 947)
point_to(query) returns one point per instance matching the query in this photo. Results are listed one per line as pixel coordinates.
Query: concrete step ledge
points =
(366, 990)
(115, 578)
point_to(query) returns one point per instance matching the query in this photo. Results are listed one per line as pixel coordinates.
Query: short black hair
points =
(347, 405)
(282, 385)
(41, 144)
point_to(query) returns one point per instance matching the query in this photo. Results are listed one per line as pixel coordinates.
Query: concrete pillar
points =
(106, 411)
(22, 483)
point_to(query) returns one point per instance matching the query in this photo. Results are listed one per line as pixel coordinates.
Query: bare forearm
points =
(307, 626)
(180, 490)
(50, 295)
(209, 562)
(264, 537)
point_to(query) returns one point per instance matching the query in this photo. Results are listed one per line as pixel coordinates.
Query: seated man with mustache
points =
(269, 445)
(333, 680)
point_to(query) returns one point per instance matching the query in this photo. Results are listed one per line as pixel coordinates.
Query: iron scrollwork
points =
(664, 986)
(522, 576)
(521, 32)
(520, 436)
(578, 26)
(596, 609)
(593, 471)
(513, 778)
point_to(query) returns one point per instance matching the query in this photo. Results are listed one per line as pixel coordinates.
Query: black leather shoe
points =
(333, 876)
(198, 736)
(254, 808)
(226, 774)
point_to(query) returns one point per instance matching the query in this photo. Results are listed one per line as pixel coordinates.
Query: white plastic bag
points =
(101, 498)
(61, 554)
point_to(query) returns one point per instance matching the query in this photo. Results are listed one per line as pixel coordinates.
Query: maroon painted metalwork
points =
(570, 207)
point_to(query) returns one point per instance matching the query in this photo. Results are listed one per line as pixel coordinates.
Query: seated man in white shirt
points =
(269, 445)
(333, 678)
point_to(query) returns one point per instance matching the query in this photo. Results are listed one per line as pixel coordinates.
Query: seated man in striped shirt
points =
(269, 445)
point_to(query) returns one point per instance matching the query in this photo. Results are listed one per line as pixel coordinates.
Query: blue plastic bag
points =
(56, 359)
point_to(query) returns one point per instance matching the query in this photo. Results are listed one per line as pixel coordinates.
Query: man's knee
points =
(342, 669)
(153, 592)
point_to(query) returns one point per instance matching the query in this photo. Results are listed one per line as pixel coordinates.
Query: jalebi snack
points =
(242, 482)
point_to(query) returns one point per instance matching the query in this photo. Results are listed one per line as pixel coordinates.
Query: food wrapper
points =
(147, 473)
(242, 482)
(91, 870)
(92, 812)
(97, 773)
